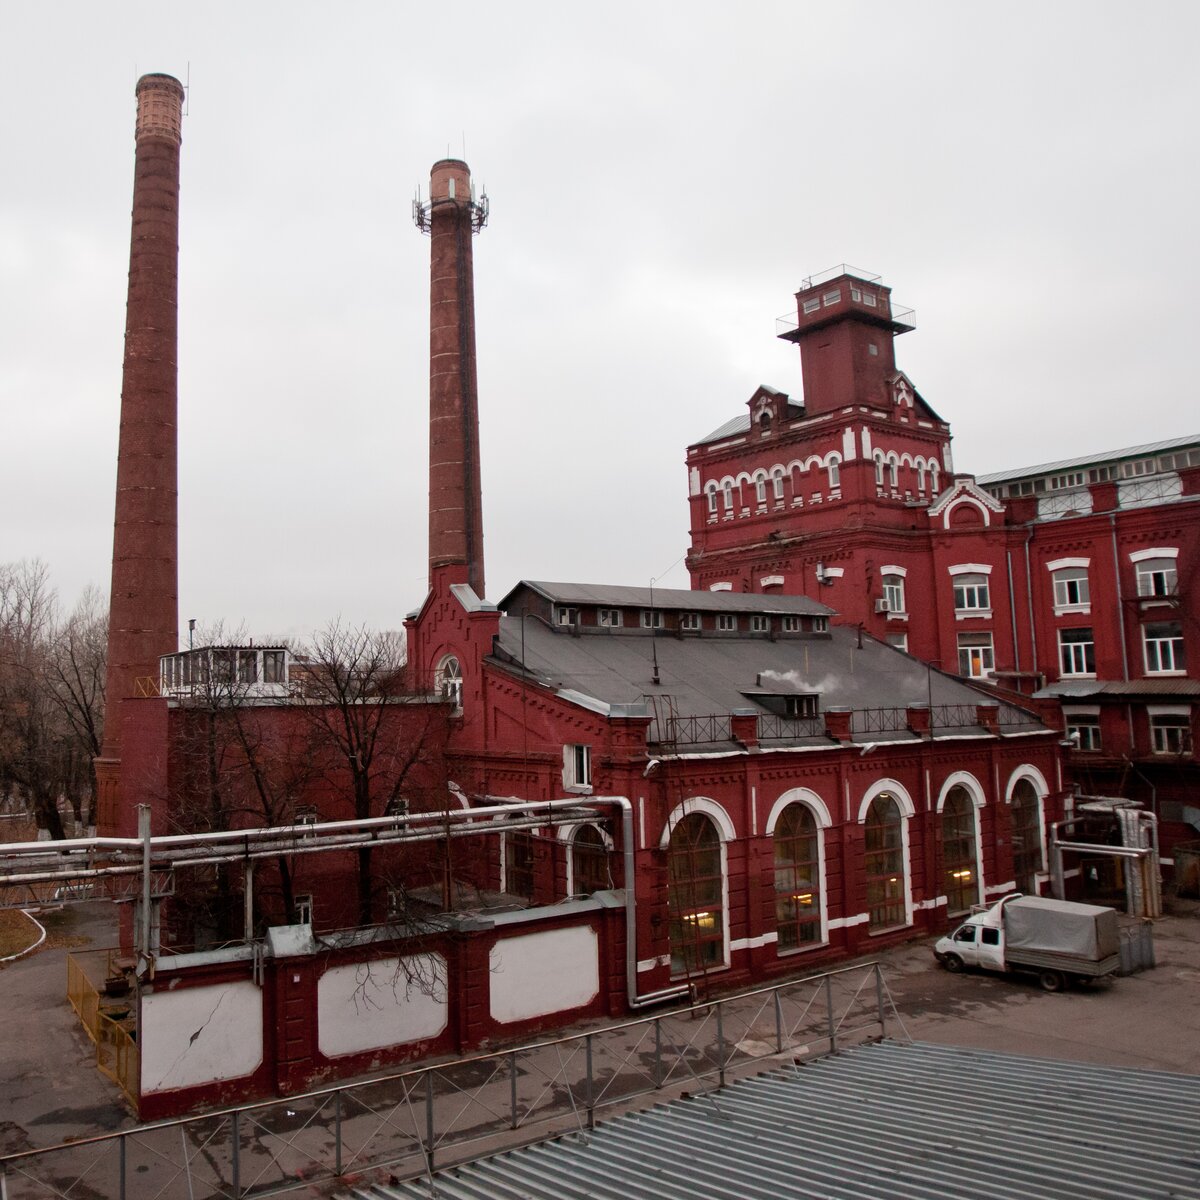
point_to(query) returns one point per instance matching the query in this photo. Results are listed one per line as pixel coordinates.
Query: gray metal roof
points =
(711, 674)
(878, 1122)
(1089, 460)
(682, 599)
(1145, 689)
(731, 427)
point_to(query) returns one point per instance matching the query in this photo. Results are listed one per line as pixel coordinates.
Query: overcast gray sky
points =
(662, 176)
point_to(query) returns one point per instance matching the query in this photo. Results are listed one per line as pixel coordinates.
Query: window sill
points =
(962, 614)
(1073, 610)
(897, 616)
(700, 972)
(1077, 674)
(578, 789)
(889, 929)
(1166, 674)
(802, 950)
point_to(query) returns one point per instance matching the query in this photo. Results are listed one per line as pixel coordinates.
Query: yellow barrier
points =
(116, 1049)
(117, 1056)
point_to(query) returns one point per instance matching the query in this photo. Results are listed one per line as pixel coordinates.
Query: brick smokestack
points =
(143, 620)
(451, 216)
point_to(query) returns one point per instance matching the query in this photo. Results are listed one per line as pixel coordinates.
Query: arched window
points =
(449, 680)
(727, 490)
(777, 483)
(879, 470)
(894, 472)
(835, 472)
(711, 493)
(885, 863)
(695, 895)
(960, 864)
(518, 863)
(1025, 813)
(797, 878)
(760, 489)
(589, 862)
(920, 474)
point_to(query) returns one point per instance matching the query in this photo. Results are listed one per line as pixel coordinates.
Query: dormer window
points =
(689, 621)
(760, 623)
(611, 618)
(804, 707)
(449, 681)
(566, 616)
(652, 618)
(727, 622)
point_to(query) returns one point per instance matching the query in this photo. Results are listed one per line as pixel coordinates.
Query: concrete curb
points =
(28, 949)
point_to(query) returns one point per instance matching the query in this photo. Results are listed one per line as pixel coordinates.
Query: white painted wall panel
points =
(200, 1035)
(360, 1009)
(537, 974)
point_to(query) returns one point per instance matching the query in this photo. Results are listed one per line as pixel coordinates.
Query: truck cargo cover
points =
(1085, 930)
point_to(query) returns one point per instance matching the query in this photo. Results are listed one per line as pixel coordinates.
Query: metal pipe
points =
(1112, 524)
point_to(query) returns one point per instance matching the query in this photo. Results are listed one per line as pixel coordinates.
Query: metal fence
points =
(116, 1048)
(414, 1121)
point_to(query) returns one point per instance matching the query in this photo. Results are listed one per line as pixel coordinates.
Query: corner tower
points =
(451, 217)
(143, 618)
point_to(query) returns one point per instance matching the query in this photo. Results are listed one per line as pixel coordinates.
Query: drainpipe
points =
(1029, 597)
(1112, 524)
(1012, 608)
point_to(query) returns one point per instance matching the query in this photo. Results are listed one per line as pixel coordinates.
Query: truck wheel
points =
(1052, 981)
(952, 963)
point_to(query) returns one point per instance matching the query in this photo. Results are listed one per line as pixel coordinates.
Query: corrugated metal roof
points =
(1089, 460)
(877, 1122)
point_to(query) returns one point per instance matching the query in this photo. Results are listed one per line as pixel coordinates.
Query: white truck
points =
(1057, 940)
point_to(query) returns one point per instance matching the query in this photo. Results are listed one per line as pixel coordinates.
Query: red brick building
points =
(1073, 581)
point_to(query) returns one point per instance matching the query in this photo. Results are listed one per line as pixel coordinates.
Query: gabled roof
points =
(674, 599)
(718, 674)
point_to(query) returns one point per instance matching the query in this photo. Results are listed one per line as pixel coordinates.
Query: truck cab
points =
(977, 942)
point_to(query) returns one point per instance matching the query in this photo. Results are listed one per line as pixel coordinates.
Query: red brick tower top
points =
(451, 216)
(845, 323)
(143, 618)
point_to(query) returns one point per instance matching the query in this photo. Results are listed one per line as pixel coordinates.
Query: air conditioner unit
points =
(882, 606)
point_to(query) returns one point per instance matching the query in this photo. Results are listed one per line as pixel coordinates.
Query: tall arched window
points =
(589, 862)
(960, 863)
(449, 680)
(885, 863)
(695, 896)
(797, 878)
(835, 471)
(1025, 812)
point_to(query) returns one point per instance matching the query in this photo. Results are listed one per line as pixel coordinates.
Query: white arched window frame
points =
(920, 474)
(903, 800)
(726, 833)
(816, 806)
(448, 680)
(710, 493)
(974, 789)
(727, 494)
(878, 456)
(777, 482)
(833, 466)
(568, 835)
(1072, 593)
(1041, 791)
(760, 487)
(893, 464)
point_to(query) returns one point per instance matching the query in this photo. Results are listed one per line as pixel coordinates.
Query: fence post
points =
(512, 1089)
(720, 1046)
(658, 1076)
(591, 1109)
(337, 1134)
(237, 1166)
(879, 1000)
(829, 1015)
(121, 1167)
(429, 1118)
(778, 1022)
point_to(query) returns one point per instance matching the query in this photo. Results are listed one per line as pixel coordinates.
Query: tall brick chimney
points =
(143, 620)
(451, 216)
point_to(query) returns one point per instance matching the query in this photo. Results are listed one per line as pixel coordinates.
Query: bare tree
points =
(75, 675)
(387, 746)
(36, 753)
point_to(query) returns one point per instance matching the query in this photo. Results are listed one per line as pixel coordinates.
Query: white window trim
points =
(974, 789)
(1062, 564)
(570, 782)
(726, 833)
(971, 569)
(567, 835)
(1173, 672)
(816, 806)
(907, 811)
(892, 569)
(1138, 556)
